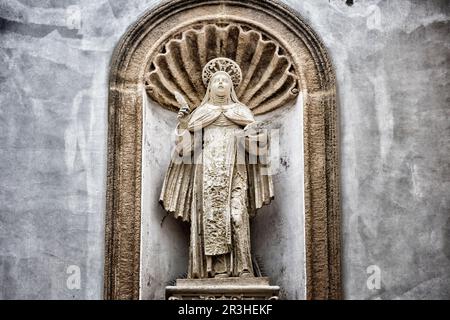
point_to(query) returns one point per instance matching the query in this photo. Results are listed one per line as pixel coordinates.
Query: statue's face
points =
(221, 85)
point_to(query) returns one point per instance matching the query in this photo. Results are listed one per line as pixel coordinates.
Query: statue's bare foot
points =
(221, 275)
(245, 274)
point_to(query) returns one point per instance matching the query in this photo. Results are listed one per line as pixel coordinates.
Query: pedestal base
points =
(256, 288)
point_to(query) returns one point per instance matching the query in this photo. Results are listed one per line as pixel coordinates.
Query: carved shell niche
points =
(268, 75)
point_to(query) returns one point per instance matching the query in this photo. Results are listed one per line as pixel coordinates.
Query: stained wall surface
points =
(164, 239)
(277, 231)
(391, 60)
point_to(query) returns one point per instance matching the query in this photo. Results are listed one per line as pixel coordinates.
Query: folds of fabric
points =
(183, 189)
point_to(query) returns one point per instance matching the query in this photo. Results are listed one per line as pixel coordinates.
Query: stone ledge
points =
(233, 288)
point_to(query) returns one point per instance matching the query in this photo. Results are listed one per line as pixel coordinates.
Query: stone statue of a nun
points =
(219, 175)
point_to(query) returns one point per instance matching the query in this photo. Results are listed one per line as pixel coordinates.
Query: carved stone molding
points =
(137, 64)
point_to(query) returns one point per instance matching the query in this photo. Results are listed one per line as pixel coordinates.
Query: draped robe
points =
(214, 191)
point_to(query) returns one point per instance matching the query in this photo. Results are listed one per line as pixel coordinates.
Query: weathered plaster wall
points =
(164, 240)
(53, 95)
(391, 60)
(277, 231)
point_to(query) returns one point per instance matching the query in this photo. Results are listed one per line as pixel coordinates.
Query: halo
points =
(222, 64)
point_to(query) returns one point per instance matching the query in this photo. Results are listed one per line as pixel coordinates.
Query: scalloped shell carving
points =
(269, 79)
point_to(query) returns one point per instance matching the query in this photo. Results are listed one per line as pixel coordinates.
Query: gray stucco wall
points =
(391, 60)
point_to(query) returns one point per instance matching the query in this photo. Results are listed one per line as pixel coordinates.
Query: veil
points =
(207, 96)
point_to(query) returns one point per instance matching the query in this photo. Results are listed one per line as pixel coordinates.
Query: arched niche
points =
(309, 86)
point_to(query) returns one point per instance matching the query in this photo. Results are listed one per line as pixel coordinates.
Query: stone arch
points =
(316, 81)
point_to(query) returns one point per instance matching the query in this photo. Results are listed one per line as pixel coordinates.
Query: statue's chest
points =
(218, 144)
(219, 137)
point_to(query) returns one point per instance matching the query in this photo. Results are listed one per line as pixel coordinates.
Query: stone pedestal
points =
(233, 288)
